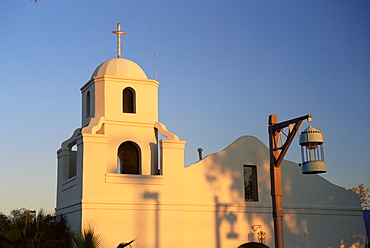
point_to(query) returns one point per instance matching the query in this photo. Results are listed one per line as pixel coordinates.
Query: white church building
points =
(116, 175)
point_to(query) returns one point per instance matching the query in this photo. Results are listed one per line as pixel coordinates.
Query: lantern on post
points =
(312, 150)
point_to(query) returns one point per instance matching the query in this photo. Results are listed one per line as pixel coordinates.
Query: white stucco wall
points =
(203, 205)
(316, 212)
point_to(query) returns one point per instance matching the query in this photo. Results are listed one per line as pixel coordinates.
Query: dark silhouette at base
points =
(253, 245)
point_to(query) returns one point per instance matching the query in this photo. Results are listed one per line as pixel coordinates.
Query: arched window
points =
(87, 110)
(129, 158)
(128, 101)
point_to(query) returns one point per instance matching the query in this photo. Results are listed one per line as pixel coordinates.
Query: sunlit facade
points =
(128, 184)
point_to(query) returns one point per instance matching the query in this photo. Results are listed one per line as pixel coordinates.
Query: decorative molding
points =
(163, 130)
(129, 123)
(124, 80)
(94, 125)
(70, 207)
(69, 183)
(133, 179)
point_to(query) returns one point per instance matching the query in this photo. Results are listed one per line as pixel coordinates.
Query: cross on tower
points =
(118, 32)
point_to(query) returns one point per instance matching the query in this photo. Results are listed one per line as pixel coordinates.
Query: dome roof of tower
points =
(119, 67)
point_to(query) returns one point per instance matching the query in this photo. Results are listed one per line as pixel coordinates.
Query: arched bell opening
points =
(129, 158)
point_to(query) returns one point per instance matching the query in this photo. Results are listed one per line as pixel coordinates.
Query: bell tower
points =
(113, 168)
(120, 102)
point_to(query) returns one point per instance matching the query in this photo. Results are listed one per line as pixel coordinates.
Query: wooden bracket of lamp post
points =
(276, 157)
(274, 130)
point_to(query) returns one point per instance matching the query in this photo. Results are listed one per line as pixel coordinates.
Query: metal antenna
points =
(155, 56)
(200, 150)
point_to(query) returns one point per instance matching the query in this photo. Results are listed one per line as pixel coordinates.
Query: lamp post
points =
(312, 160)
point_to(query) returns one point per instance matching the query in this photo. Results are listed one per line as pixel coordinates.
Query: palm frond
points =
(121, 245)
(88, 238)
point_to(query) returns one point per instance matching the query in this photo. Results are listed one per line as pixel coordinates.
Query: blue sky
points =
(224, 67)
